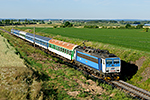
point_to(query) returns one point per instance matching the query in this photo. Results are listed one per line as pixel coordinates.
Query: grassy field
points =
(130, 38)
(13, 74)
(132, 48)
(57, 80)
(8, 55)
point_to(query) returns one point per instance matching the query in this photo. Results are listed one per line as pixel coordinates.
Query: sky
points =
(75, 9)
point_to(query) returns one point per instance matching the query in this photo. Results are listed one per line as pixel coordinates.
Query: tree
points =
(25, 21)
(7, 22)
(3, 22)
(28, 22)
(0, 23)
(91, 26)
(49, 22)
(19, 22)
(68, 24)
(11, 21)
(55, 26)
(146, 29)
(42, 22)
(139, 26)
(128, 26)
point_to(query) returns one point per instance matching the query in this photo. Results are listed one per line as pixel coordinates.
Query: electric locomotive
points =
(99, 61)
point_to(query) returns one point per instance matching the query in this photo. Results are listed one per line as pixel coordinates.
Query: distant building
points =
(134, 24)
(146, 26)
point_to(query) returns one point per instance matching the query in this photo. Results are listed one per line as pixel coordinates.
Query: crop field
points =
(130, 38)
(8, 55)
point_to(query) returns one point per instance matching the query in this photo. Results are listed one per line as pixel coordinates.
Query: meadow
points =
(8, 54)
(53, 79)
(129, 38)
(131, 45)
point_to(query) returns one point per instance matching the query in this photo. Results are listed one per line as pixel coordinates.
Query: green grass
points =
(55, 83)
(126, 53)
(130, 38)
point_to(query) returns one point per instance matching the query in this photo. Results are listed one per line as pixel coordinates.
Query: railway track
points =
(5, 31)
(126, 87)
(133, 90)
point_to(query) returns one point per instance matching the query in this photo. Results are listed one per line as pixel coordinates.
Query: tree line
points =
(20, 22)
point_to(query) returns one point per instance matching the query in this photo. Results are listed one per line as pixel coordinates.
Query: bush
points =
(62, 26)
(55, 26)
(121, 27)
(145, 29)
(128, 26)
(91, 26)
(68, 24)
(139, 26)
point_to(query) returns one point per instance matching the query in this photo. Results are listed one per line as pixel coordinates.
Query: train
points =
(100, 62)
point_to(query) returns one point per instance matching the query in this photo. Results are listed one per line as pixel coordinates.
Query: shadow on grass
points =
(127, 70)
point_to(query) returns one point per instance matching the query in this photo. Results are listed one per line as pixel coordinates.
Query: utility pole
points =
(12, 29)
(34, 36)
(12, 25)
(4, 24)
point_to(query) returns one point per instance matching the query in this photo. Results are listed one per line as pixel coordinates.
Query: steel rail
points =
(138, 92)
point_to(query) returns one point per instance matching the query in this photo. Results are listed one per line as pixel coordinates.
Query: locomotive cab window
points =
(116, 61)
(108, 61)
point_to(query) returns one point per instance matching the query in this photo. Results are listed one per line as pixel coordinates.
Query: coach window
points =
(49, 45)
(69, 52)
(54, 46)
(65, 50)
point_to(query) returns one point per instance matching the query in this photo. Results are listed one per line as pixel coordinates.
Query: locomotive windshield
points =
(116, 61)
(108, 61)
